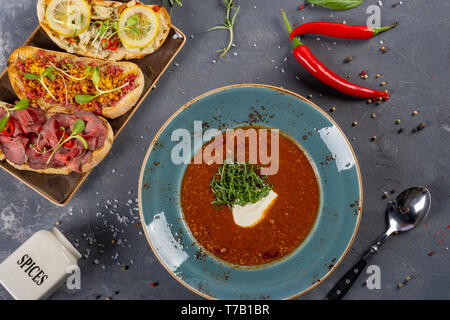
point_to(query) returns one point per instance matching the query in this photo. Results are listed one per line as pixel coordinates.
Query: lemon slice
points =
(68, 17)
(138, 26)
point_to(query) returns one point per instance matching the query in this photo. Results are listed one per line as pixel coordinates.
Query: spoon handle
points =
(346, 282)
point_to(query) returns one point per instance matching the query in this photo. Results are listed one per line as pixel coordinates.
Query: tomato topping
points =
(113, 44)
(73, 39)
(9, 129)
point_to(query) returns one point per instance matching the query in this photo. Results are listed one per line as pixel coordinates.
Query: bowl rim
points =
(213, 91)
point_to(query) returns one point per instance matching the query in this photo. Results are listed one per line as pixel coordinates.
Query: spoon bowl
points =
(409, 208)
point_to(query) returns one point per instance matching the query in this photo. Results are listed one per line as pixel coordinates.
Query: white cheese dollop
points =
(252, 213)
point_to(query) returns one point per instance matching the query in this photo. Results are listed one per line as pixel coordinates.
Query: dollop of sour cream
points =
(252, 213)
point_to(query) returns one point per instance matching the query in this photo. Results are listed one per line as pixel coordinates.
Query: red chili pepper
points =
(69, 144)
(324, 74)
(9, 128)
(339, 30)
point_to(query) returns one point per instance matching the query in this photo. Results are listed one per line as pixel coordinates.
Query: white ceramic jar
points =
(39, 266)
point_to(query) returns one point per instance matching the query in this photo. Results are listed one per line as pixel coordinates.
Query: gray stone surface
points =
(415, 69)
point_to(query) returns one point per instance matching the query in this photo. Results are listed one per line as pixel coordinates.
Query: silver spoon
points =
(403, 214)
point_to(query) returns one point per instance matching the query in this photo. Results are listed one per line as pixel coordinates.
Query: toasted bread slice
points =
(87, 49)
(112, 112)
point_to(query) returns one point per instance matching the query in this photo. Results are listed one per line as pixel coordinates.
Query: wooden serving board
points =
(59, 189)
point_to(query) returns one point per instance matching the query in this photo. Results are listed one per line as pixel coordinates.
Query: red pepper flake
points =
(156, 8)
(301, 7)
(430, 253)
(363, 73)
(154, 284)
(440, 241)
(448, 226)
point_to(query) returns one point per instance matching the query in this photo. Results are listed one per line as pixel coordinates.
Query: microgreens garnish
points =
(78, 128)
(131, 22)
(238, 184)
(86, 98)
(21, 105)
(104, 26)
(66, 67)
(47, 73)
(227, 25)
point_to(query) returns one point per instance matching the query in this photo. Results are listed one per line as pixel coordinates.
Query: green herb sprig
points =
(228, 24)
(172, 3)
(78, 128)
(21, 105)
(47, 73)
(337, 4)
(86, 98)
(238, 184)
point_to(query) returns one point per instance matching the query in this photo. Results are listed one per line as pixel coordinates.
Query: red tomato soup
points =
(285, 224)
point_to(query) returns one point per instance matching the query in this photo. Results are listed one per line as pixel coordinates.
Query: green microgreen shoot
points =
(103, 27)
(131, 22)
(228, 24)
(86, 98)
(21, 105)
(47, 73)
(238, 184)
(64, 72)
(78, 128)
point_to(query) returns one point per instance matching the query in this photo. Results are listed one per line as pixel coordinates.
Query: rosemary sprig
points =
(47, 73)
(238, 184)
(228, 24)
(172, 3)
(21, 105)
(86, 98)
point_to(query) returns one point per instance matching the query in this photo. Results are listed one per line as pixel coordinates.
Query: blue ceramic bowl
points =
(336, 224)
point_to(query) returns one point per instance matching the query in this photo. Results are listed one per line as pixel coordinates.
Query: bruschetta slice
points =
(64, 83)
(109, 30)
(49, 143)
